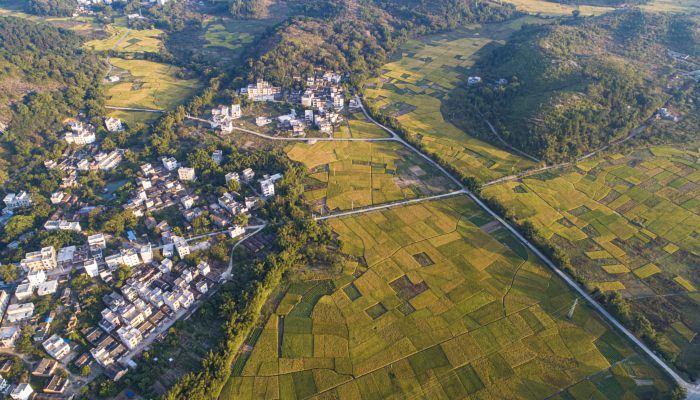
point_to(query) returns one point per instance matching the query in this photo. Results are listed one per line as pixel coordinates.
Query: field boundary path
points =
(121, 39)
(692, 389)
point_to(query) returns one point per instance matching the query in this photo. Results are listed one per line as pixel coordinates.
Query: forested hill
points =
(355, 36)
(603, 3)
(577, 86)
(44, 78)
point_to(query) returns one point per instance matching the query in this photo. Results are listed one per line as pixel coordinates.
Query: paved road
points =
(390, 205)
(693, 389)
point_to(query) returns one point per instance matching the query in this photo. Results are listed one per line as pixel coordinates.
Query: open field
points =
(232, 34)
(413, 87)
(147, 84)
(358, 174)
(147, 40)
(630, 224)
(549, 8)
(437, 308)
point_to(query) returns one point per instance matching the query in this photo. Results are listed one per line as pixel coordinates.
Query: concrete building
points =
(267, 187)
(22, 392)
(186, 174)
(97, 241)
(146, 253)
(19, 312)
(9, 335)
(130, 257)
(261, 91)
(170, 163)
(113, 124)
(80, 133)
(236, 231)
(57, 197)
(36, 278)
(247, 174)
(181, 246)
(17, 200)
(44, 259)
(56, 347)
(131, 337)
(24, 291)
(91, 268)
(47, 288)
(232, 176)
(4, 301)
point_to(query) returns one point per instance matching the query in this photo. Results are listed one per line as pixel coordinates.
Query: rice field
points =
(148, 84)
(232, 34)
(630, 223)
(436, 308)
(136, 41)
(412, 89)
(346, 175)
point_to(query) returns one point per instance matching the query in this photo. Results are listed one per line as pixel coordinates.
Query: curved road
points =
(693, 389)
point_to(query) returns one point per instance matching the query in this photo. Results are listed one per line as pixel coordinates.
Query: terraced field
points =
(413, 87)
(631, 224)
(347, 175)
(148, 84)
(147, 40)
(440, 303)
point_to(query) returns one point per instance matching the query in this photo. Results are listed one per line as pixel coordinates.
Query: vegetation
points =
(438, 301)
(575, 87)
(60, 8)
(627, 225)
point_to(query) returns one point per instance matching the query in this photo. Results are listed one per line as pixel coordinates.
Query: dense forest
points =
(58, 8)
(603, 3)
(574, 87)
(355, 37)
(44, 78)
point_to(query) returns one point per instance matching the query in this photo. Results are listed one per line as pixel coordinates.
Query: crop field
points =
(437, 308)
(147, 40)
(549, 8)
(413, 87)
(345, 175)
(630, 224)
(232, 34)
(148, 84)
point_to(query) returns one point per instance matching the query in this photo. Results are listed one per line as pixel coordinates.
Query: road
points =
(390, 205)
(693, 389)
(186, 313)
(121, 39)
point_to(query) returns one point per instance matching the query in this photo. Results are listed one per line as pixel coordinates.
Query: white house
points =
(19, 312)
(57, 197)
(170, 163)
(97, 241)
(130, 336)
(22, 392)
(56, 347)
(91, 268)
(146, 253)
(36, 278)
(267, 186)
(113, 124)
(236, 231)
(232, 176)
(186, 174)
(181, 246)
(80, 133)
(47, 288)
(21, 199)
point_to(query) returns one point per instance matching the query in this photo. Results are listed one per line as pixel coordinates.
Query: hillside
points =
(577, 86)
(355, 37)
(44, 78)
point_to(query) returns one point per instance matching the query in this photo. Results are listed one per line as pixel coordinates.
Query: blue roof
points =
(131, 235)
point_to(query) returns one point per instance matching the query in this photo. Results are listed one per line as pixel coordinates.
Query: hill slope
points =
(577, 86)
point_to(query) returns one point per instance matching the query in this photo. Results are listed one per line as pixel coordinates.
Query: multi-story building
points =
(36, 277)
(247, 174)
(261, 91)
(17, 200)
(170, 163)
(267, 187)
(113, 124)
(56, 347)
(186, 174)
(44, 259)
(130, 257)
(91, 268)
(131, 337)
(4, 301)
(80, 133)
(146, 253)
(19, 312)
(217, 156)
(181, 246)
(97, 241)
(232, 176)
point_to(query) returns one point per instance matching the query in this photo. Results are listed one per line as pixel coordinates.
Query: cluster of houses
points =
(13, 201)
(85, 159)
(222, 117)
(160, 187)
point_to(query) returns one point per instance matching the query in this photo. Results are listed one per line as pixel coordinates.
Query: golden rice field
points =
(148, 84)
(135, 41)
(434, 307)
(412, 89)
(631, 223)
(345, 175)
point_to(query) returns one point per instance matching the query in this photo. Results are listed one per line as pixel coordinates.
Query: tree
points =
(86, 370)
(8, 273)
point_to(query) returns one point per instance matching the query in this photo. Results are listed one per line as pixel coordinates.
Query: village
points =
(148, 281)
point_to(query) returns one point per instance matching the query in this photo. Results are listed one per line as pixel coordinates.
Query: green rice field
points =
(135, 41)
(630, 223)
(439, 304)
(345, 175)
